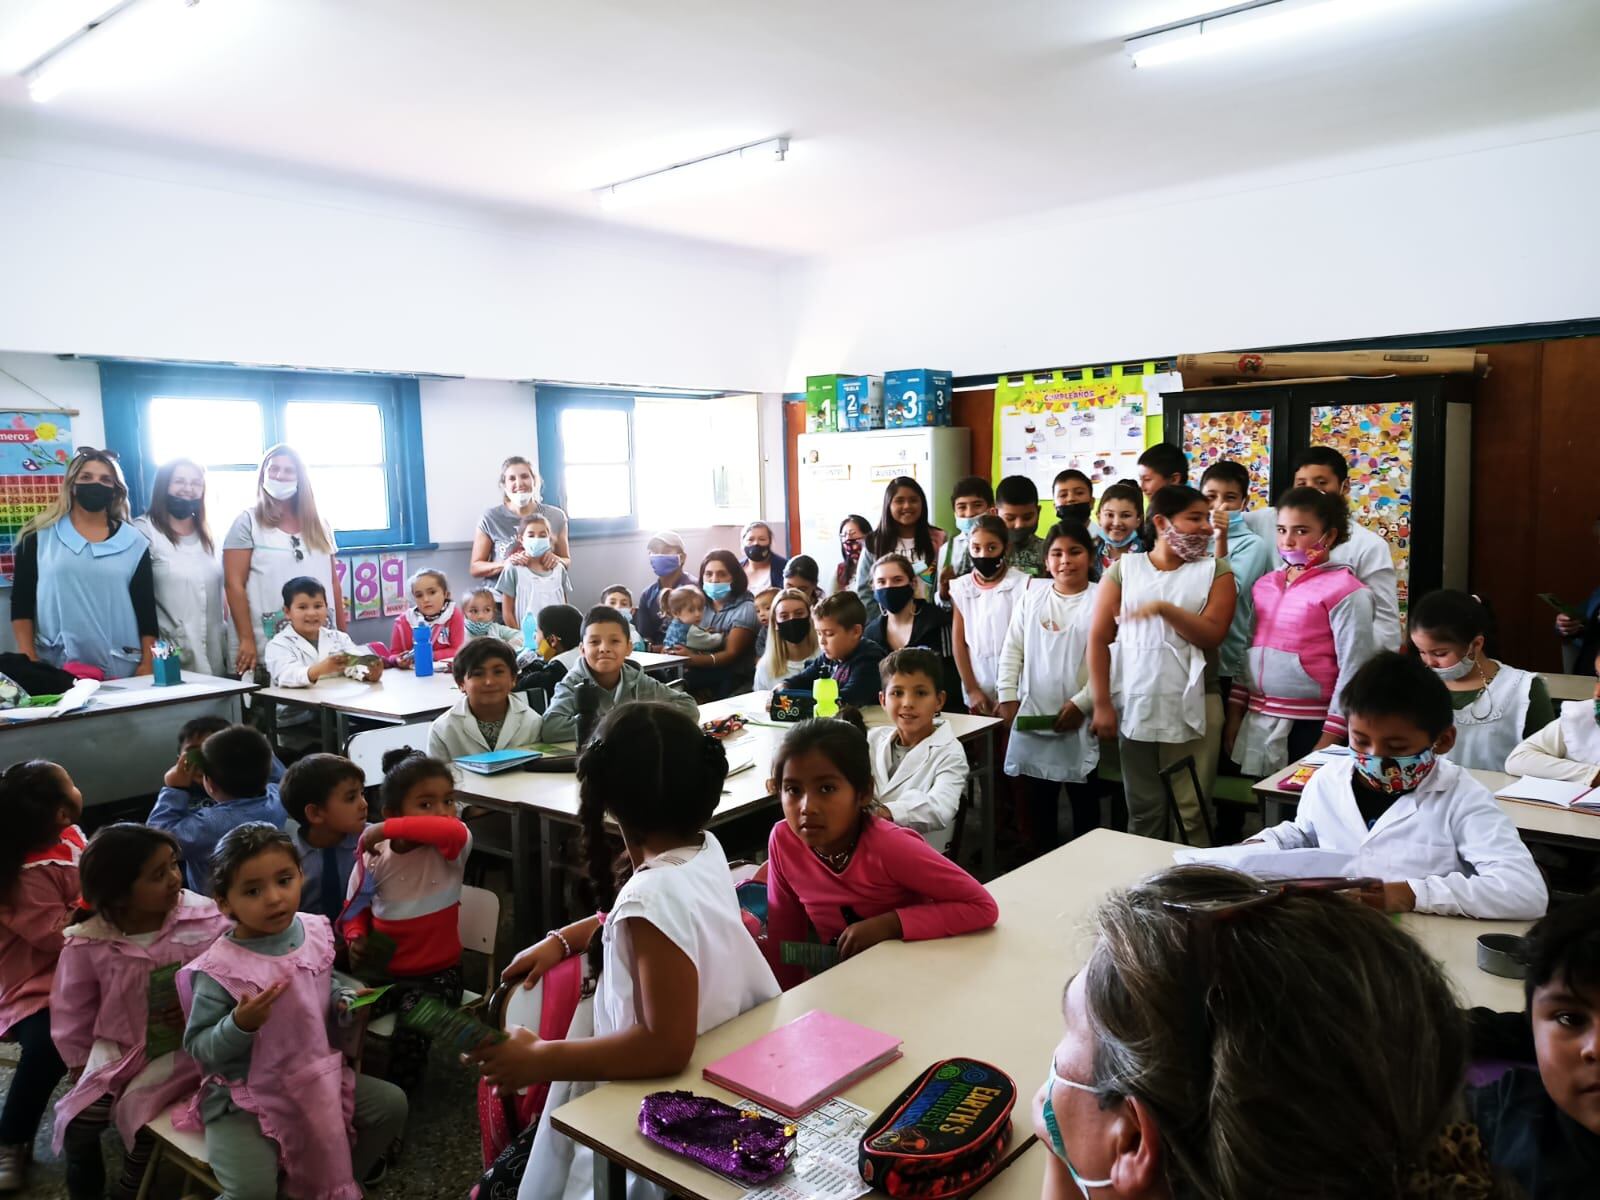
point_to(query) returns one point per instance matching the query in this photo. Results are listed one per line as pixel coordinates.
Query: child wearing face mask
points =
(904, 528)
(971, 498)
(854, 531)
(482, 613)
(1156, 693)
(1016, 501)
(1496, 706)
(1120, 515)
(431, 610)
(527, 589)
(1406, 814)
(1226, 487)
(983, 602)
(1314, 623)
(1074, 497)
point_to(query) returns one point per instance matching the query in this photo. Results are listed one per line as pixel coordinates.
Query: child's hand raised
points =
(511, 1064)
(373, 836)
(251, 1013)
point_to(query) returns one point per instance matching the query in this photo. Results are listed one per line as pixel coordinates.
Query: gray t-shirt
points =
(500, 523)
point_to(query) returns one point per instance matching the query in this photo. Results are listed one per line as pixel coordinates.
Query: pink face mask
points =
(1313, 555)
(1191, 547)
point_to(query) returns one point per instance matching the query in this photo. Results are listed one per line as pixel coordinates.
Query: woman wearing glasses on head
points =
(83, 590)
(278, 539)
(188, 576)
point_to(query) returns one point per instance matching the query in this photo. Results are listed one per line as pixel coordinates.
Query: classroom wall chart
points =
(1377, 440)
(1243, 436)
(1097, 422)
(374, 585)
(35, 448)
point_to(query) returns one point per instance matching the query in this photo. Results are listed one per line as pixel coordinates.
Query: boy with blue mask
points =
(971, 498)
(1409, 816)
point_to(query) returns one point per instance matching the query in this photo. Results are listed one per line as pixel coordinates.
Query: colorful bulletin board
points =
(1378, 442)
(1244, 436)
(374, 585)
(35, 448)
(1097, 421)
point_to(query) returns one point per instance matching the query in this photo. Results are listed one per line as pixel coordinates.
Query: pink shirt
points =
(44, 904)
(893, 870)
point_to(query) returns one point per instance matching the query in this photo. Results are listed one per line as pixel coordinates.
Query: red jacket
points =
(448, 636)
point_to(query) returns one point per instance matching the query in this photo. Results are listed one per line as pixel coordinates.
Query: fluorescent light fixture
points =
(129, 32)
(698, 175)
(1245, 25)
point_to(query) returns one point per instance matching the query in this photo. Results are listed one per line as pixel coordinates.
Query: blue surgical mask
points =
(967, 524)
(662, 565)
(1235, 522)
(537, 547)
(717, 591)
(480, 628)
(1119, 543)
(1057, 1146)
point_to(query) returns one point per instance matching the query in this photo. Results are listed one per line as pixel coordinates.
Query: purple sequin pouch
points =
(743, 1145)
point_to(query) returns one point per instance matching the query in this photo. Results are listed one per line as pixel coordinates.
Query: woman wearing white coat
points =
(187, 571)
(918, 767)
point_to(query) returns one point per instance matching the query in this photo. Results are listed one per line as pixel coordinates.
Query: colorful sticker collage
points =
(1377, 441)
(1243, 436)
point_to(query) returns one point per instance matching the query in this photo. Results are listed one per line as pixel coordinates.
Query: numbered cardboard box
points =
(916, 399)
(822, 403)
(861, 402)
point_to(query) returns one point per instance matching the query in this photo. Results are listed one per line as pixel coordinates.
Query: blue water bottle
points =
(422, 652)
(530, 632)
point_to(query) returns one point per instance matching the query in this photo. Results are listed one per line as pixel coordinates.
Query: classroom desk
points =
(1535, 822)
(1023, 1178)
(1026, 959)
(1569, 687)
(123, 741)
(400, 697)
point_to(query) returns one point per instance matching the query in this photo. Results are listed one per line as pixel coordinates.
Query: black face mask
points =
(794, 630)
(1020, 537)
(1079, 512)
(181, 508)
(758, 553)
(893, 599)
(94, 497)
(988, 567)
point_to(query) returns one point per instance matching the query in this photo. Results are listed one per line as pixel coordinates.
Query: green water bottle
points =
(826, 694)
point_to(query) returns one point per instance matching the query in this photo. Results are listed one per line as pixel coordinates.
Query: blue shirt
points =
(198, 830)
(1252, 557)
(84, 610)
(327, 873)
(737, 612)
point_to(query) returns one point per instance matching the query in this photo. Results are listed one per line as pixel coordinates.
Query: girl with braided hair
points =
(673, 955)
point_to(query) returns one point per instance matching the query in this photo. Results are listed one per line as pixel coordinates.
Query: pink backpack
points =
(502, 1116)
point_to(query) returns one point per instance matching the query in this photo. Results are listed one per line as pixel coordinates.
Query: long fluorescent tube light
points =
(1244, 25)
(79, 56)
(696, 175)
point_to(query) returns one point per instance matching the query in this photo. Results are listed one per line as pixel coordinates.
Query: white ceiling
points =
(908, 116)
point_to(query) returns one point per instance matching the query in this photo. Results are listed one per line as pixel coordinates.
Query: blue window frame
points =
(360, 435)
(586, 458)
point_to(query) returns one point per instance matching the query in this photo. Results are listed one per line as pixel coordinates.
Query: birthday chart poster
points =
(1378, 442)
(35, 448)
(1243, 436)
(1096, 426)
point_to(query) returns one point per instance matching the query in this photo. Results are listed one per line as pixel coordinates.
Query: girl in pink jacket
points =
(433, 611)
(1314, 630)
(114, 1009)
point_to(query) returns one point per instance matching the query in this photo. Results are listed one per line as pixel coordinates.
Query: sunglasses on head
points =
(93, 452)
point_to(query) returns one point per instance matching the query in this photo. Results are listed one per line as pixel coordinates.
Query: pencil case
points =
(945, 1135)
(792, 704)
(741, 1144)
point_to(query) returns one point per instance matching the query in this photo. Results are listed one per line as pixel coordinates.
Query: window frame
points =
(127, 388)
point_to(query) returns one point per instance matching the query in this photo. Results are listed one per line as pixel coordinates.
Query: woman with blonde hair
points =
(279, 538)
(791, 639)
(82, 588)
(1234, 1040)
(188, 577)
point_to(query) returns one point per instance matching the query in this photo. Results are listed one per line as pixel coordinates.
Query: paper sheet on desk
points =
(825, 1166)
(74, 697)
(1268, 862)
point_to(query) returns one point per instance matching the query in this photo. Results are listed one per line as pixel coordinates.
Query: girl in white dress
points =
(1155, 691)
(1044, 673)
(673, 931)
(187, 569)
(983, 602)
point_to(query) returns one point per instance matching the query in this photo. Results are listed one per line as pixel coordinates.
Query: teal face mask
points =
(1057, 1146)
(717, 591)
(966, 524)
(480, 628)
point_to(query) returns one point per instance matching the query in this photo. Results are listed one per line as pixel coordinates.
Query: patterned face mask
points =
(1396, 774)
(1191, 547)
(480, 628)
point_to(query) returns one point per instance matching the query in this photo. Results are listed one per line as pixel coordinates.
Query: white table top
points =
(1041, 939)
(1023, 1179)
(119, 695)
(1537, 819)
(1569, 687)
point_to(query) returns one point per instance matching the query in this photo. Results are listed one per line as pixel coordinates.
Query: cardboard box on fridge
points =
(861, 402)
(822, 403)
(916, 398)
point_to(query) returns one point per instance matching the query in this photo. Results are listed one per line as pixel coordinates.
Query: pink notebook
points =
(797, 1067)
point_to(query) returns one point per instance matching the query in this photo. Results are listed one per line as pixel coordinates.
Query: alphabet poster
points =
(35, 448)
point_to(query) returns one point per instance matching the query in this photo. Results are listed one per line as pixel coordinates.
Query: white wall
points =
(469, 427)
(112, 252)
(63, 385)
(1493, 235)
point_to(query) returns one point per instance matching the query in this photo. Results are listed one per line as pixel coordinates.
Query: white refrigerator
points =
(844, 473)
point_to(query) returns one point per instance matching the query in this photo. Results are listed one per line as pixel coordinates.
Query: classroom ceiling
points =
(907, 116)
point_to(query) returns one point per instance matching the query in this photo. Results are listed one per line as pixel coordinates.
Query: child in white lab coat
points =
(1406, 814)
(919, 769)
(1567, 748)
(308, 648)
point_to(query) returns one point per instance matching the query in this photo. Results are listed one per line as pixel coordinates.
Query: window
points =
(360, 437)
(617, 462)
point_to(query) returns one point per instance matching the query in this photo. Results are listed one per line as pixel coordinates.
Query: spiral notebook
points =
(795, 1068)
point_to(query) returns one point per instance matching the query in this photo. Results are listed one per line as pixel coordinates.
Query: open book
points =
(1558, 792)
(1266, 861)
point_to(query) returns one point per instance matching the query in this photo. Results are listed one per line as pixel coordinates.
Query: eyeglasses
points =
(299, 550)
(1204, 915)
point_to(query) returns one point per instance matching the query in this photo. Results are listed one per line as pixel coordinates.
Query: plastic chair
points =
(1173, 815)
(185, 1150)
(479, 925)
(367, 748)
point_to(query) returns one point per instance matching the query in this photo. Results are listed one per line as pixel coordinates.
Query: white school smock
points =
(290, 657)
(925, 793)
(455, 733)
(1051, 631)
(1449, 840)
(188, 581)
(532, 590)
(693, 904)
(273, 564)
(1489, 728)
(1158, 679)
(1567, 748)
(985, 616)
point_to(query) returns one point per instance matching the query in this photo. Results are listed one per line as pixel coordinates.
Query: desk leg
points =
(549, 900)
(991, 806)
(341, 732)
(610, 1178)
(524, 866)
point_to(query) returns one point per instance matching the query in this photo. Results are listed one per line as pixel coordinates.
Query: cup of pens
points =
(165, 662)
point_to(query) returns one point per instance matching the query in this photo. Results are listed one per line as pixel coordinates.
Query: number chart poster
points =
(35, 448)
(1377, 441)
(374, 585)
(1047, 424)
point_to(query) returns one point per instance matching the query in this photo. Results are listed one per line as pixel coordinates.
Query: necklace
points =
(837, 861)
